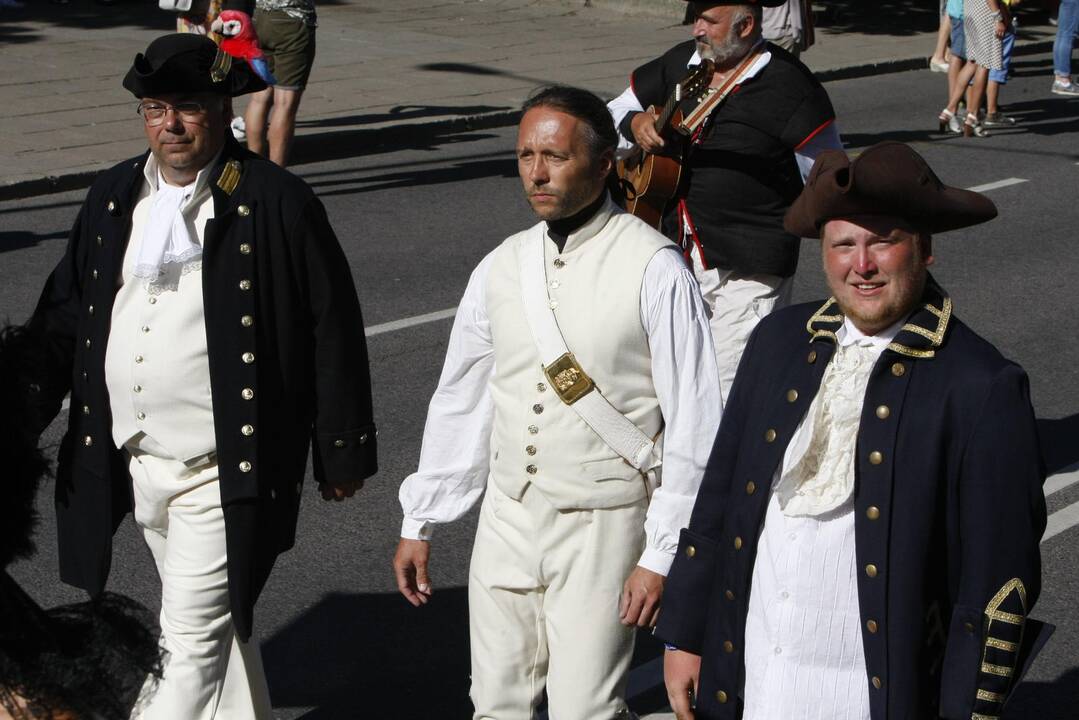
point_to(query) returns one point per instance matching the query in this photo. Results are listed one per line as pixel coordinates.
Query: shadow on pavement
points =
(1045, 700)
(18, 239)
(885, 17)
(402, 112)
(457, 172)
(375, 655)
(1060, 444)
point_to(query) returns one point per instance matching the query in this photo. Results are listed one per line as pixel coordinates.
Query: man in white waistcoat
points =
(205, 323)
(579, 343)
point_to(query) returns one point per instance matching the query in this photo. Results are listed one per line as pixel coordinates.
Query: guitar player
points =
(743, 166)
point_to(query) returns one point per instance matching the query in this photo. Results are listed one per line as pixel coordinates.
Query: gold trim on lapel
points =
(230, 176)
(819, 318)
(935, 336)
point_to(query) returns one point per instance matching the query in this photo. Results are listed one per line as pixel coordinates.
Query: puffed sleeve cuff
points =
(342, 457)
(656, 560)
(687, 593)
(413, 529)
(626, 126)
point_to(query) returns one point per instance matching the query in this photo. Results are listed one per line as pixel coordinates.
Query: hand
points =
(1001, 28)
(681, 675)
(410, 567)
(644, 132)
(338, 492)
(641, 594)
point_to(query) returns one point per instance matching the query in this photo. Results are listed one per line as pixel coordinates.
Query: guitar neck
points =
(665, 116)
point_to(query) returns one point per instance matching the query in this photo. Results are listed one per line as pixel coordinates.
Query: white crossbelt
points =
(567, 378)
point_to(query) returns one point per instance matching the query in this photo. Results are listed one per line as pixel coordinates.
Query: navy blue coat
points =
(287, 354)
(949, 514)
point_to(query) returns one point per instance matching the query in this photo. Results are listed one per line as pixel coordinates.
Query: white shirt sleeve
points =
(806, 153)
(454, 461)
(686, 379)
(621, 106)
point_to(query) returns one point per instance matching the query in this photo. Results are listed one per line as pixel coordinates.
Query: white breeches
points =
(209, 673)
(737, 304)
(543, 594)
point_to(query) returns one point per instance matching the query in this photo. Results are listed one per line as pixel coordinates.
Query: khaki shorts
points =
(289, 46)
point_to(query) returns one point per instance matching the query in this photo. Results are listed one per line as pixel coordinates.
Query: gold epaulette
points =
(230, 176)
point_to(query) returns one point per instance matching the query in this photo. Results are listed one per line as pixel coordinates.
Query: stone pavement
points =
(385, 71)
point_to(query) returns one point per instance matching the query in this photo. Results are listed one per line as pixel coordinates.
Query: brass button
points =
(872, 512)
(153, 300)
(243, 211)
(690, 551)
(531, 469)
(85, 376)
(728, 594)
(537, 408)
(245, 248)
(111, 207)
(90, 309)
(876, 682)
(531, 449)
(728, 646)
(363, 438)
(87, 441)
(792, 395)
(94, 275)
(721, 696)
(751, 487)
(871, 626)
(87, 343)
(339, 443)
(553, 304)
(532, 430)
(273, 494)
(245, 284)
(140, 415)
(559, 263)
(737, 542)
(871, 570)
(248, 357)
(540, 387)
(99, 241)
(245, 467)
(137, 388)
(770, 435)
(85, 409)
(247, 321)
(883, 411)
(898, 369)
(145, 328)
(139, 359)
(969, 627)
(247, 393)
(876, 458)
(812, 357)
(247, 430)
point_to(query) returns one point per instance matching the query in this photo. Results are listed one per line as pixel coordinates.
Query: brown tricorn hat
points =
(889, 178)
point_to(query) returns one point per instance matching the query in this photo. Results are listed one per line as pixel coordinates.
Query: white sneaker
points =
(1065, 87)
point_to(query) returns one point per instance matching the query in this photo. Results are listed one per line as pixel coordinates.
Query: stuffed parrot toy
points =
(238, 39)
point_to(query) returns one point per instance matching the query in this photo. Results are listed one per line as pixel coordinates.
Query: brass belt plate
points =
(568, 379)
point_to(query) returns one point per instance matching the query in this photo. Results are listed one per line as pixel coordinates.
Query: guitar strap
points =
(715, 96)
(566, 376)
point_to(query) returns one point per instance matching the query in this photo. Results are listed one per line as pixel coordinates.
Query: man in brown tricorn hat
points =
(865, 541)
(206, 325)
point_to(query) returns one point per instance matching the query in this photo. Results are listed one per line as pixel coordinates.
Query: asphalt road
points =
(337, 640)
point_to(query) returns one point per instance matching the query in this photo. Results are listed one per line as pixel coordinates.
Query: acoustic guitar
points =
(649, 180)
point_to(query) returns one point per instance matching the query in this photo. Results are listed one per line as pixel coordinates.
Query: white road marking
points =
(998, 184)
(410, 322)
(1056, 483)
(1061, 520)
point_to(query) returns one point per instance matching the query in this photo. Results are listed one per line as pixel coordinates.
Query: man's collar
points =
(918, 336)
(591, 227)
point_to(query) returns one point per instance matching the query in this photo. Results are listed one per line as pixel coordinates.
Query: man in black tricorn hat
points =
(761, 123)
(865, 541)
(206, 325)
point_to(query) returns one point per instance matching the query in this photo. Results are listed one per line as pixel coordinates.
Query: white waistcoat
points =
(595, 286)
(156, 365)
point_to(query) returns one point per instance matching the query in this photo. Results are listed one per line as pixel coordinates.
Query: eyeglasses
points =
(154, 113)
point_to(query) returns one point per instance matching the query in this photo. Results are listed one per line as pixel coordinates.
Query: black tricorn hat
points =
(889, 178)
(188, 62)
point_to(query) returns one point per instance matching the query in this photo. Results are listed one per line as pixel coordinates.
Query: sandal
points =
(973, 128)
(949, 122)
